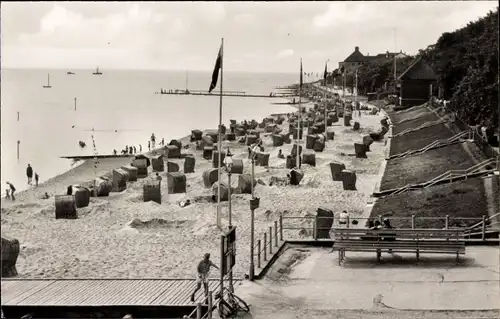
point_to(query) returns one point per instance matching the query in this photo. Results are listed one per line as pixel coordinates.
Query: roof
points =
(418, 70)
(356, 56)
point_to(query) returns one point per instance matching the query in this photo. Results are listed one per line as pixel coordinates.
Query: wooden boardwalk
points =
(101, 292)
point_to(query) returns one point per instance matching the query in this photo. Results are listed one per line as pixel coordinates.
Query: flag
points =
(215, 75)
(301, 73)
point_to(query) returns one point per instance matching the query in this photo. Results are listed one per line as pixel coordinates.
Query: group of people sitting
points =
(377, 225)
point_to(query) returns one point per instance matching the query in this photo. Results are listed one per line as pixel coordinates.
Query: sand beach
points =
(121, 236)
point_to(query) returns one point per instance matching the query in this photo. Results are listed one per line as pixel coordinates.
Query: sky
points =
(258, 36)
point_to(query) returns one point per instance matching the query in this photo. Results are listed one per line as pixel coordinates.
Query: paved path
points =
(308, 282)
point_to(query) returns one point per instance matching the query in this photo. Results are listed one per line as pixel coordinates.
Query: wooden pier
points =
(154, 298)
(86, 157)
(224, 93)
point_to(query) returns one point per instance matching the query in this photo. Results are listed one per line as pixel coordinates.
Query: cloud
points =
(284, 53)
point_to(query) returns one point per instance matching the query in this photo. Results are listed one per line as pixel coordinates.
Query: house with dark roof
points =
(356, 59)
(416, 82)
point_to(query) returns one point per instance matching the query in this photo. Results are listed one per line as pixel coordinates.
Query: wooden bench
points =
(417, 241)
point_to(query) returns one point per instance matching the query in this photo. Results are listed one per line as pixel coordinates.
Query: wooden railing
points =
(482, 226)
(263, 246)
(427, 124)
(435, 144)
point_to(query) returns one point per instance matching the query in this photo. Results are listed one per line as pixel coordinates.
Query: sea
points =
(39, 125)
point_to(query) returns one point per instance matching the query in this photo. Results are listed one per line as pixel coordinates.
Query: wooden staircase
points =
(436, 144)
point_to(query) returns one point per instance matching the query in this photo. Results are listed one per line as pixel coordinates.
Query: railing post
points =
(265, 248)
(412, 221)
(210, 305)
(198, 310)
(270, 241)
(315, 226)
(259, 249)
(446, 222)
(276, 233)
(281, 227)
(483, 236)
(347, 221)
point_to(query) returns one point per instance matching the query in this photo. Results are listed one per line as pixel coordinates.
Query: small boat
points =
(70, 73)
(48, 82)
(97, 72)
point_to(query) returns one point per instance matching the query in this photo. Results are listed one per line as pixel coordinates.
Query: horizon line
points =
(139, 69)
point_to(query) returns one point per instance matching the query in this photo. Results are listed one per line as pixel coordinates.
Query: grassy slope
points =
(420, 168)
(414, 122)
(459, 199)
(419, 139)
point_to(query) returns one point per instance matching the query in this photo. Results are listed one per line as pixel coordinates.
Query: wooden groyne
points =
(224, 93)
(85, 157)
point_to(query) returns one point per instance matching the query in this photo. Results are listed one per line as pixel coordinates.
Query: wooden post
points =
(347, 221)
(265, 248)
(483, 235)
(75, 104)
(222, 239)
(18, 142)
(198, 310)
(412, 221)
(315, 226)
(276, 233)
(281, 227)
(447, 221)
(270, 241)
(210, 305)
(259, 249)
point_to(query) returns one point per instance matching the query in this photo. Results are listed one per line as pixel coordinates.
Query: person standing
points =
(29, 173)
(153, 140)
(36, 179)
(149, 146)
(202, 278)
(135, 150)
(162, 141)
(344, 216)
(12, 190)
(140, 148)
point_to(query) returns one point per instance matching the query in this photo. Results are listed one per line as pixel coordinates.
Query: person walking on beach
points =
(36, 179)
(130, 149)
(203, 271)
(153, 140)
(135, 150)
(12, 190)
(140, 148)
(162, 141)
(29, 173)
(149, 146)
(7, 193)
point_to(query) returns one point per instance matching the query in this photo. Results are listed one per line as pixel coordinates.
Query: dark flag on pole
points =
(325, 74)
(215, 75)
(301, 73)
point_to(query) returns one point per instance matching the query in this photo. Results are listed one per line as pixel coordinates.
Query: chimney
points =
(356, 49)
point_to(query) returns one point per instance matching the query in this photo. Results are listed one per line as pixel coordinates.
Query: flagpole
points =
(326, 76)
(300, 111)
(219, 138)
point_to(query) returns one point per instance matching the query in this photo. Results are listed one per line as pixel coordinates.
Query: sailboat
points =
(48, 82)
(97, 72)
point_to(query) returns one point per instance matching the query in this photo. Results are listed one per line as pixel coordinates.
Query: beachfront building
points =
(415, 83)
(356, 59)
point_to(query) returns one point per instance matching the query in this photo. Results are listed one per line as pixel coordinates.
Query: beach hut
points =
(210, 177)
(206, 141)
(208, 152)
(120, 178)
(214, 134)
(172, 167)
(360, 150)
(10, 252)
(224, 191)
(245, 183)
(142, 166)
(215, 158)
(157, 163)
(251, 139)
(102, 187)
(189, 164)
(348, 180)
(176, 183)
(196, 135)
(142, 157)
(82, 196)
(65, 207)
(237, 167)
(323, 222)
(309, 158)
(336, 169)
(132, 172)
(151, 191)
(172, 151)
(176, 143)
